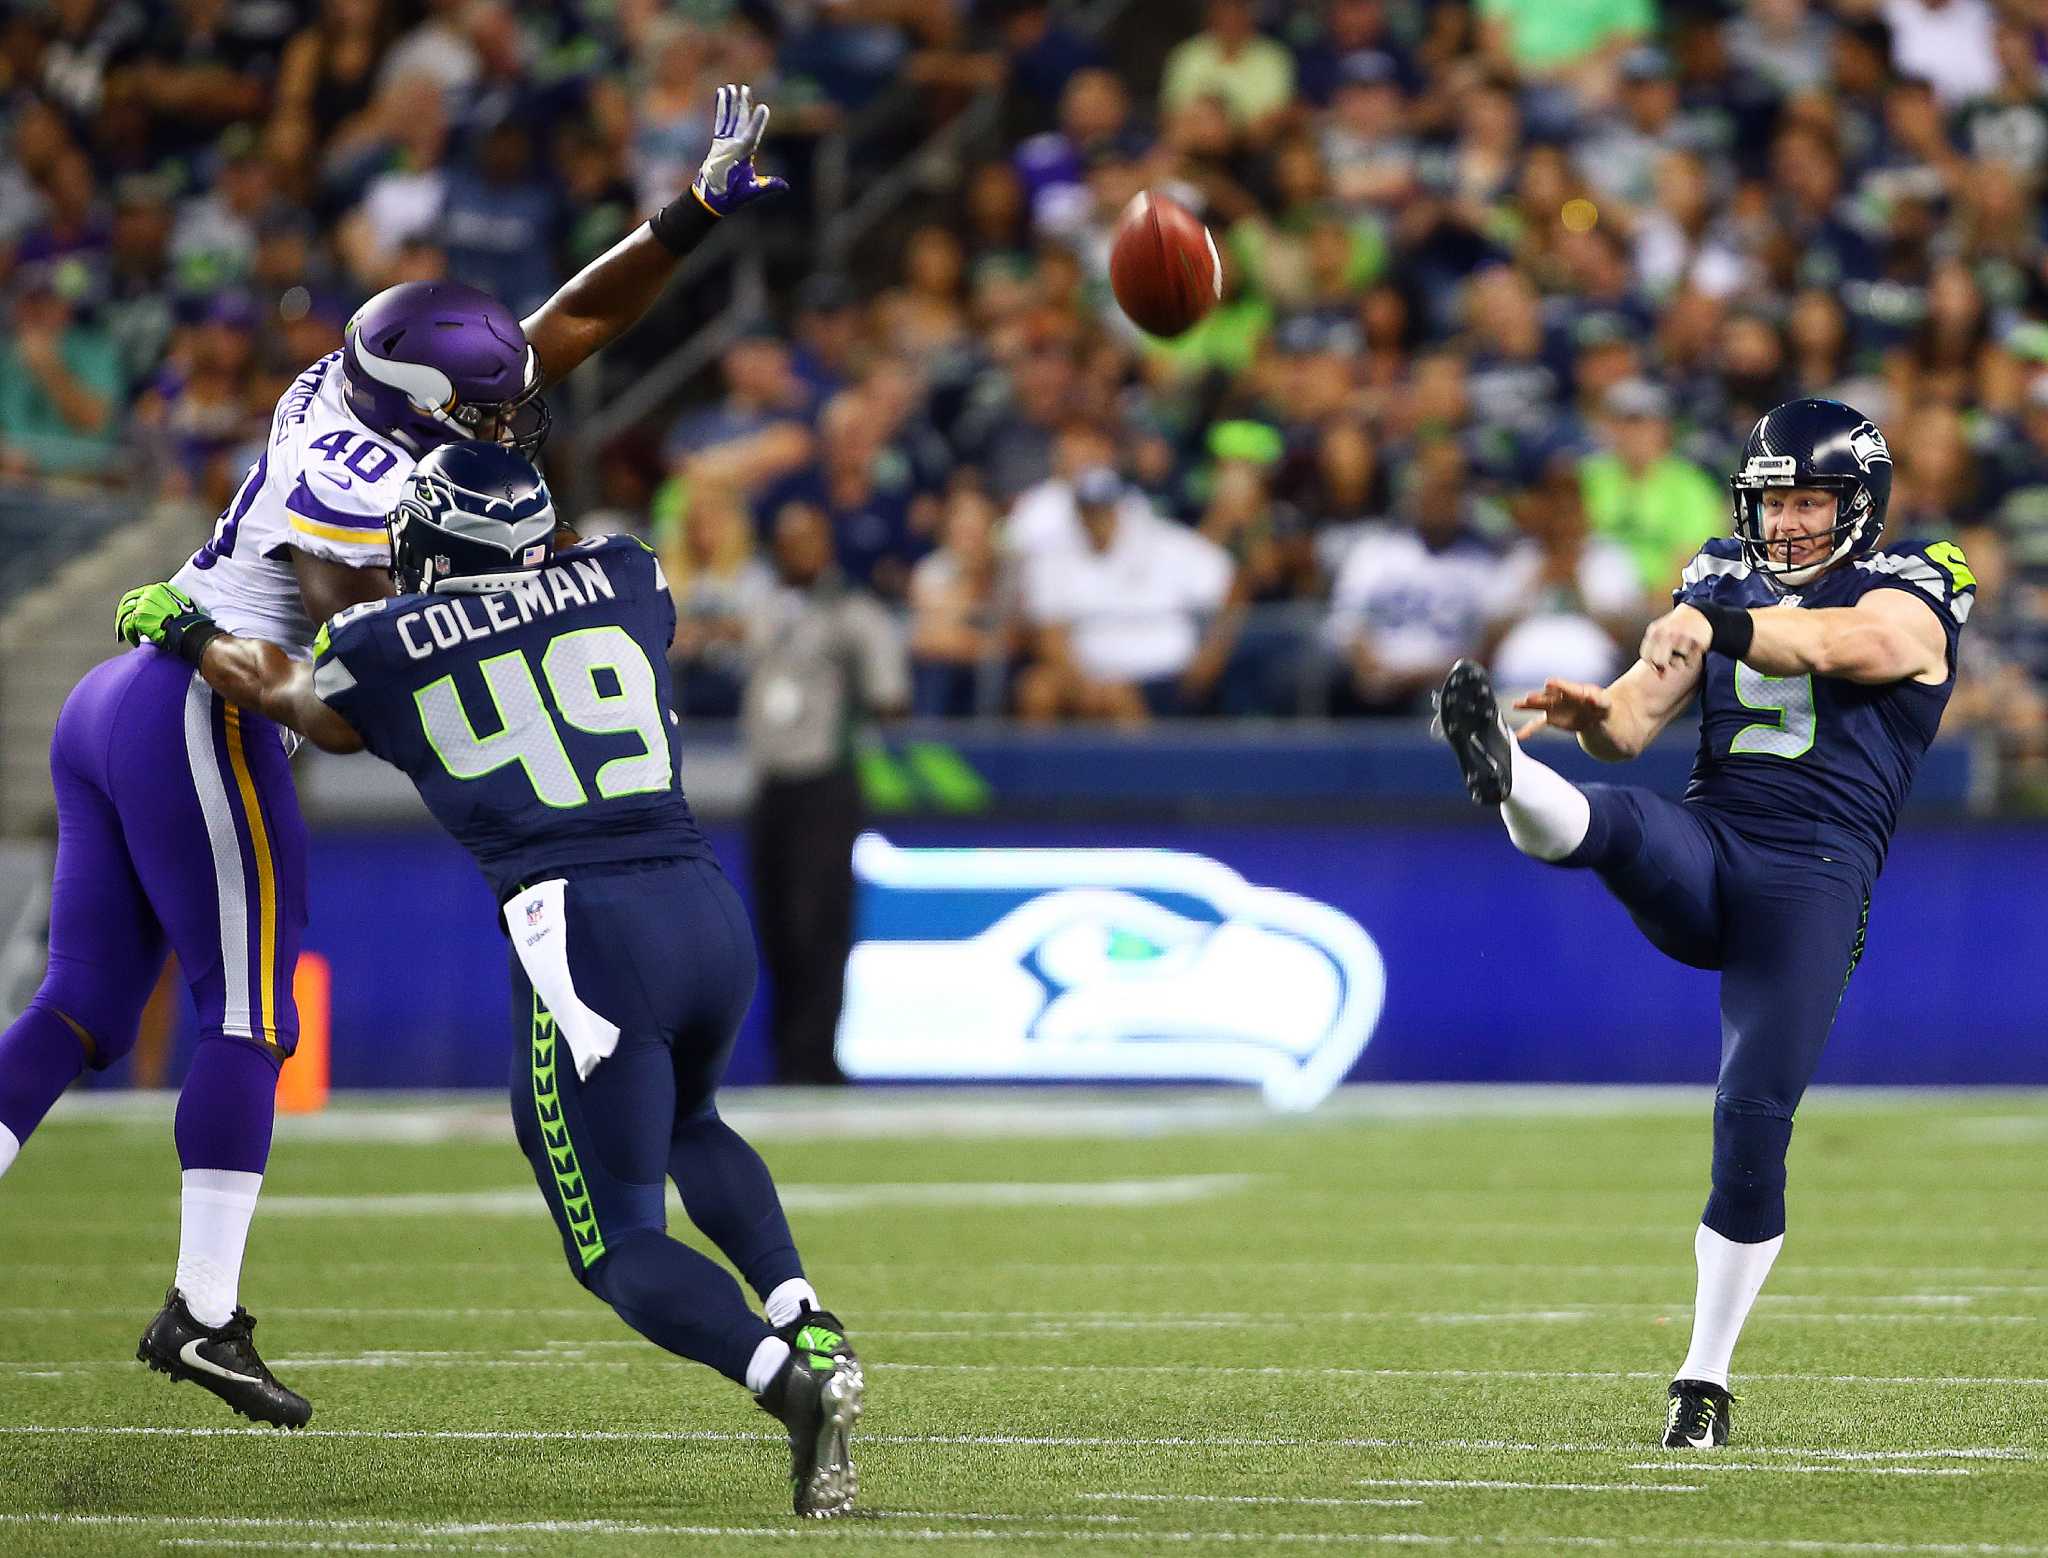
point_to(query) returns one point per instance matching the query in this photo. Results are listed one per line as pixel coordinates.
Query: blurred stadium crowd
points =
(1506, 284)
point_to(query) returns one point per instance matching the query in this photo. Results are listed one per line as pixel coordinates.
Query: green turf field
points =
(1131, 1323)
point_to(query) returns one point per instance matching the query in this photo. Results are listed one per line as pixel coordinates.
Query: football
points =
(1163, 266)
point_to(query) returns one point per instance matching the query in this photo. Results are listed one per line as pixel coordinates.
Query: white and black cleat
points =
(221, 1359)
(1468, 717)
(1698, 1416)
(817, 1396)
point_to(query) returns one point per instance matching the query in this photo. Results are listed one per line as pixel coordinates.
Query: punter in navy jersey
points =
(1822, 662)
(523, 685)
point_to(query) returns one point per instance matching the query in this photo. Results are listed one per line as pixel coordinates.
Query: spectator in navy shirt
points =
(499, 221)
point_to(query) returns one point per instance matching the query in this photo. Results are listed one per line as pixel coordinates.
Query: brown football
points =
(1163, 266)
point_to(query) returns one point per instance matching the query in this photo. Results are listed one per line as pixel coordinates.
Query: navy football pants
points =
(663, 950)
(1783, 926)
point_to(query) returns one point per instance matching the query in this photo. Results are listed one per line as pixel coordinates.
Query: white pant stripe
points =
(229, 888)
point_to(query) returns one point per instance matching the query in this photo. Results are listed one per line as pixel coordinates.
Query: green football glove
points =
(164, 615)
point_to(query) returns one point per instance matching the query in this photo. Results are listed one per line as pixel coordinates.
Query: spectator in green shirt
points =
(60, 389)
(1228, 59)
(1656, 504)
(1575, 43)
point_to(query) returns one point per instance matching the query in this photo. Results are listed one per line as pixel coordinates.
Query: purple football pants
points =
(177, 829)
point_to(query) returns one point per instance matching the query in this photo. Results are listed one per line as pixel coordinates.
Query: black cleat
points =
(1468, 717)
(817, 1397)
(221, 1359)
(1699, 1416)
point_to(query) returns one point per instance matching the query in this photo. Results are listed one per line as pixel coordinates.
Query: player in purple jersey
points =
(1822, 662)
(177, 825)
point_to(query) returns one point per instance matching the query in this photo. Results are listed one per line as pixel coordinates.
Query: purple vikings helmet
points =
(431, 362)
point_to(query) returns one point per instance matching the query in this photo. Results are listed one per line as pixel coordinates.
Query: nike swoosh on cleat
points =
(1704, 1442)
(190, 1354)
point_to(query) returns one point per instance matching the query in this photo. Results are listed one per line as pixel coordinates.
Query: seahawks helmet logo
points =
(1866, 443)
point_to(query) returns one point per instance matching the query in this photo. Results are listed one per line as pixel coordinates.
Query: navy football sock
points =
(1747, 1204)
(729, 1194)
(679, 1300)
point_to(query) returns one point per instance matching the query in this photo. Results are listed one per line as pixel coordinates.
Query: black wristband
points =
(683, 223)
(187, 637)
(1734, 629)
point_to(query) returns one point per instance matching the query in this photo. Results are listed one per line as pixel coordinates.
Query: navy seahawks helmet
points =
(1821, 444)
(475, 518)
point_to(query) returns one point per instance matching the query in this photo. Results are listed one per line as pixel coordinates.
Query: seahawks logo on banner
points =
(1101, 965)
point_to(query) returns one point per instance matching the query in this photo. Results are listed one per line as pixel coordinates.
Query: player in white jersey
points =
(177, 825)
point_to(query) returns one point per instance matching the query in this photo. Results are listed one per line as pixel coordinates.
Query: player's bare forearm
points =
(1640, 703)
(263, 677)
(603, 300)
(330, 587)
(1887, 637)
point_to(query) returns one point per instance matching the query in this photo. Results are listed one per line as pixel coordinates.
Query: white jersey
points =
(323, 486)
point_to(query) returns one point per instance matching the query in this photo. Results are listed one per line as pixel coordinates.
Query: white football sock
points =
(1731, 1275)
(10, 1147)
(213, 1228)
(1547, 815)
(766, 1363)
(789, 1300)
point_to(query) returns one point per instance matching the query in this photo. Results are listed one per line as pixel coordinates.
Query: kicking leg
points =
(1793, 940)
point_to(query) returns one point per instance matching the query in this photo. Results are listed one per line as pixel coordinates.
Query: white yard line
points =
(487, 1361)
(1285, 1499)
(1367, 1373)
(1797, 1470)
(1966, 1452)
(1047, 1533)
(525, 1201)
(1492, 1484)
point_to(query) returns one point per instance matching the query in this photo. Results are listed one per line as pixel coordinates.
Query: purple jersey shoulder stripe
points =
(303, 503)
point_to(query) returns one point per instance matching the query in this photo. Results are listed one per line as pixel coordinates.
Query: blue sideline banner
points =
(1278, 955)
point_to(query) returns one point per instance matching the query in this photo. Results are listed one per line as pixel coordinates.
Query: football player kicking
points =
(525, 692)
(201, 848)
(1823, 662)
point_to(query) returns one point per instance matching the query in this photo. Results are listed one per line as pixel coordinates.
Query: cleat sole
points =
(1470, 718)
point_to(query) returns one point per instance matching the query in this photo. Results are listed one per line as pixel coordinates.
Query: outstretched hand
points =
(1572, 707)
(727, 180)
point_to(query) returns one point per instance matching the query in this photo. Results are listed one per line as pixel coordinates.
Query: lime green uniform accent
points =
(1950, 556)
(554, 1133)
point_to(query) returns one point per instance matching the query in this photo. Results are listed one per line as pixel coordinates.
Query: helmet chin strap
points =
(1806, 573)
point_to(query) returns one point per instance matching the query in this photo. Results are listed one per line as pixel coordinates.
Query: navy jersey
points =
(1820, 760)
(535, 722)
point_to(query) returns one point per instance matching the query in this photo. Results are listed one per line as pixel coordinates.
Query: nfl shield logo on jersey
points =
(534, 909)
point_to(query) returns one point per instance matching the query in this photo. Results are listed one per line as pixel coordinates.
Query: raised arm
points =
(603, 300)
(1887, 636)
(245, 671)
